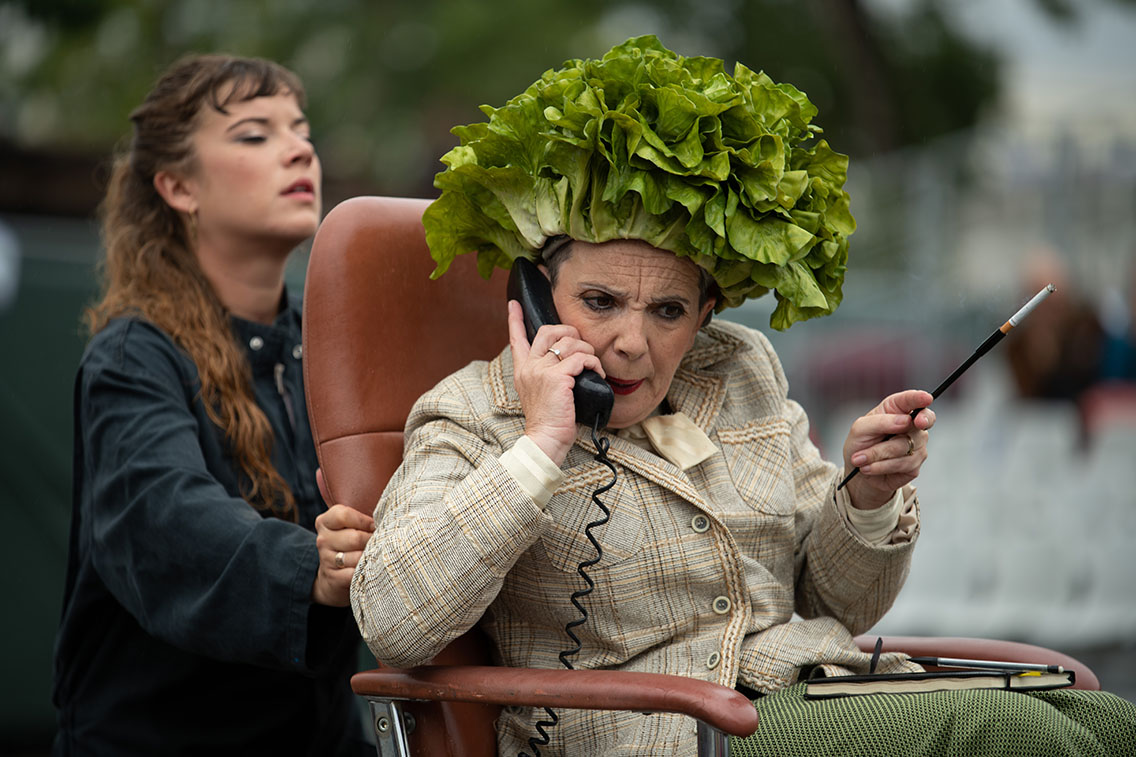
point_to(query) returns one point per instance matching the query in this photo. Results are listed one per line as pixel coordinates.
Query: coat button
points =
(700, 524)
(256, 343)
(722, 605)
(713, 660)
(298, 351)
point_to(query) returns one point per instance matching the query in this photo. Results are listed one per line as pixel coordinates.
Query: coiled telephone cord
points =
(602, 444)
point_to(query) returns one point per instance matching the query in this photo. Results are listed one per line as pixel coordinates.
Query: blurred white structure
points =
(1024, 535)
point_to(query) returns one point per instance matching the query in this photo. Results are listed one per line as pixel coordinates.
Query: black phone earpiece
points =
(528, 286)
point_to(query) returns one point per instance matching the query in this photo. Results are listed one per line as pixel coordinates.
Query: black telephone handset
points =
(528, 286)
(593, 399)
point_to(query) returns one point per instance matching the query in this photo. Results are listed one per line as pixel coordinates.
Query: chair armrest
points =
(716, 705)
(983, 649)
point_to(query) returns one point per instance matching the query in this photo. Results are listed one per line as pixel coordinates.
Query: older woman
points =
(638, 182)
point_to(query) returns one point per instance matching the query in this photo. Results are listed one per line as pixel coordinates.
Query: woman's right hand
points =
(341, 534)
(545, 381)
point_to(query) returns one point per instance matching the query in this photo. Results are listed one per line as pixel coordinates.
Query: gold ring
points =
(910, 445)
(339, 559)
(556, 352)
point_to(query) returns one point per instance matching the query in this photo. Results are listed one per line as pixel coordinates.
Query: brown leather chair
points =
(377, 334)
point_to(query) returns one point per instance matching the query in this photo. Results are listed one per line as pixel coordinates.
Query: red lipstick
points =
(619, 386)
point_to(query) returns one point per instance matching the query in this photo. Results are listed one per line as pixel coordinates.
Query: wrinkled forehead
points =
(632, 263)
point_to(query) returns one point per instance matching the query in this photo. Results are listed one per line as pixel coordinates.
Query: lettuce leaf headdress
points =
(646, 144)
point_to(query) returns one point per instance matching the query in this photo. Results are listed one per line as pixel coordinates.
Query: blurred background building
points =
(993, 150)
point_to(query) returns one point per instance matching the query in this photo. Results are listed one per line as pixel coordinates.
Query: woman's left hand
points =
(341, 534)
(887, 464)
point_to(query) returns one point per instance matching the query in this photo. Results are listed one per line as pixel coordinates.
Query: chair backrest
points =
(378, 333)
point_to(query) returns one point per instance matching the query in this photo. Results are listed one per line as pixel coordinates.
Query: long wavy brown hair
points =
(150, 269)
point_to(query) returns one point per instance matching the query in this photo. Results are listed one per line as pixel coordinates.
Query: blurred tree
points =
(387, 80)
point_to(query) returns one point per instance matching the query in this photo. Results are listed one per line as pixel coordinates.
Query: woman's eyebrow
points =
(251, 119)
(671, 299)
(681, 299)
(603, 287)
(262, 121)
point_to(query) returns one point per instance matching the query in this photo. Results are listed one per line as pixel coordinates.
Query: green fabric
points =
(984, 722)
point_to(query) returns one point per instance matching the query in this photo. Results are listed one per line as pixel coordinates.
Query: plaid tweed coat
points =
(702, 570)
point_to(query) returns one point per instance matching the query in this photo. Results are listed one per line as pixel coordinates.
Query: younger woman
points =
(204, 607)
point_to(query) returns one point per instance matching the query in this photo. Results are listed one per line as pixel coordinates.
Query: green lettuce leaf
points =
(646, 144)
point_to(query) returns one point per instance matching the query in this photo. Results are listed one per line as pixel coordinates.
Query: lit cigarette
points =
(1020, 316)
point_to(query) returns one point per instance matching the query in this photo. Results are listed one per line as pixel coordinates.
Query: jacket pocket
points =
(571, 509)
(759, 458)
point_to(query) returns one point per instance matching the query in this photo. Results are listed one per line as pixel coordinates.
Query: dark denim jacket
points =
(187, 623)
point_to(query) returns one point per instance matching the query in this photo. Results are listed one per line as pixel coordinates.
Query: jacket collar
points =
(267, 344)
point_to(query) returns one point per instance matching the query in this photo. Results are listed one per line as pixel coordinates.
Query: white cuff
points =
(875, 526)
(533, 470)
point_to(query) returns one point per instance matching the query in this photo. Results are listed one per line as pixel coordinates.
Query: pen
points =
(1017, 667)
(983, 348)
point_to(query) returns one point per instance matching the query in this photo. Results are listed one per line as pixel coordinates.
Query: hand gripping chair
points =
(377, 334)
